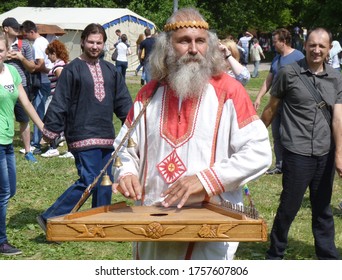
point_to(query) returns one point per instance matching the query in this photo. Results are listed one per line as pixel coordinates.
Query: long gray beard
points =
(188, 75)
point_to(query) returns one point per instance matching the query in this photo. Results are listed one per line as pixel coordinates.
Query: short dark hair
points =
(124, 38)
(283, 35)
(147, 32)
(93, 28)
(28, 26)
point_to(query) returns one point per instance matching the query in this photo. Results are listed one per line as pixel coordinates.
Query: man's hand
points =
(337, 132)
(338, 163)
(46, 139)
(181, 190)
(256, 104)
(129, 186)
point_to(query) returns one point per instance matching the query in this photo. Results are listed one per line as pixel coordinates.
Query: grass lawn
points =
(40, 184)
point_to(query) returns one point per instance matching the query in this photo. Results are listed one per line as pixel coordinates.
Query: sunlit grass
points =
(40, 184)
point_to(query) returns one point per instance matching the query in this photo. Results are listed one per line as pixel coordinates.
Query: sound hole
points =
(159, 214)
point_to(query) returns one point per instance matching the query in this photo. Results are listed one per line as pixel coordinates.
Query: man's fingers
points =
(129, 186)
(173, 195)
(137, 188)
(124, 188)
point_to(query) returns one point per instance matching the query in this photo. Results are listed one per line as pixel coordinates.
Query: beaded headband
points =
(184, 24)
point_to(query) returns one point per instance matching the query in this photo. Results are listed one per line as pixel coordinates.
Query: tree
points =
(157, 11)
(325, 14)
(73, 3)
(225, 17)
(8, 5)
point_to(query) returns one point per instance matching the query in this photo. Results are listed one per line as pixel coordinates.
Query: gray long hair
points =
(162, 47)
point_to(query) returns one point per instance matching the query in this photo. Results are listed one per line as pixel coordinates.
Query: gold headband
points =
(183, 24)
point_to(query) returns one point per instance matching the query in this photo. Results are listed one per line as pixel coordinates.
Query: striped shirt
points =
(26, 50)
(59, 64)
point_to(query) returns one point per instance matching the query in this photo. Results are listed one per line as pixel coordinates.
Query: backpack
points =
(115, 55)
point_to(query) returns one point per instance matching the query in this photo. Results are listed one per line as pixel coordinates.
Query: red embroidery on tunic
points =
(49, 134)
(90, 143)
(214, 183)
(178, 126)
(96, 73)
(171, 168)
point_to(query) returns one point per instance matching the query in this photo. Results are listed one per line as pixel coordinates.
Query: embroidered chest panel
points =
(178, 122)
(96, 73)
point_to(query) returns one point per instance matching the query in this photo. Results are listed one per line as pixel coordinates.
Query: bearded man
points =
(200, 138)
(89, 91)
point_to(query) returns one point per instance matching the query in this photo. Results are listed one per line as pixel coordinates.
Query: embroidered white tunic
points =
(218, 137)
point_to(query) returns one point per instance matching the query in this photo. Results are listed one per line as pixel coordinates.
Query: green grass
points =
(40, 184)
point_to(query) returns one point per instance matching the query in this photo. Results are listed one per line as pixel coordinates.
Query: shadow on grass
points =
(26, 219)
(296, 250)
(337, 212)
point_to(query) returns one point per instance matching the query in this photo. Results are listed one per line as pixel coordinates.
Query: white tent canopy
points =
(74, 20)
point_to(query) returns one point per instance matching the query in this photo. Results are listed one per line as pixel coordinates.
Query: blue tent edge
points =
(128, 18)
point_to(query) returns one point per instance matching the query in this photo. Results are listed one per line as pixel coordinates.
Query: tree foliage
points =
(225, 17)
(8, 5)
(325, 14)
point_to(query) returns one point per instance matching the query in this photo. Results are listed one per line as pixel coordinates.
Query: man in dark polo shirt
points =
(313, 144)
(147, 46)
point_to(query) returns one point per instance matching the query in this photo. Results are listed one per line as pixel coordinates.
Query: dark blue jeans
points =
(39, 104)
(122, 66)
(89, 164)
(8, 182)
(299, 172)
(147, 72)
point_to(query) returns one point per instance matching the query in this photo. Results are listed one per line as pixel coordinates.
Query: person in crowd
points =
(312, 140)
(198, 141)
(231, 56)
(281, 39)
(118, 33)
(141, 63)
(39, 44)
(297, 40)
(235, 69)
(88, 92)
(59, 56)
(146, 47)
(244, 42)
(21, 57)
(256, 54)
(11, 89)
(334, 55)
(124, 50)
(264, 42)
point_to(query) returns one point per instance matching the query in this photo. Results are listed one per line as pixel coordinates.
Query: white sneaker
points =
(50, 153)
(22, 151)
(67, 155)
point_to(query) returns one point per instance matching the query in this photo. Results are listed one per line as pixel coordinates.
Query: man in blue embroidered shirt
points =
(88, 92)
